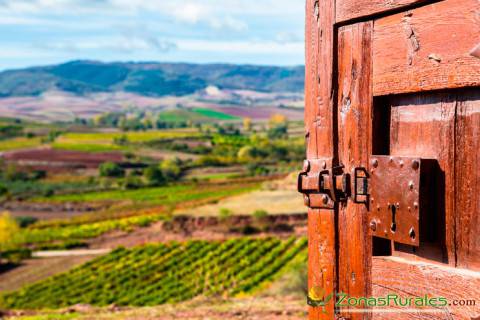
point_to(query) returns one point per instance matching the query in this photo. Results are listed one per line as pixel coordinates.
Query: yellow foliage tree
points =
(247, 124)
(277, 119)
(9, 231)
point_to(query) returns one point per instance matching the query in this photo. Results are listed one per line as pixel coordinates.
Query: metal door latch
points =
(390, 190)
(322, 184)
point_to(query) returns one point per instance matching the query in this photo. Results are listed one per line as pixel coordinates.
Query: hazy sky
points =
(39, 32)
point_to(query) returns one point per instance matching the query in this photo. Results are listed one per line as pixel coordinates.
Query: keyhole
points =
(393, 227)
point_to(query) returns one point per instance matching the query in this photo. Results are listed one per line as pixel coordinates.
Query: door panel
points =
(433, 47)
(446, 127)
(404, 84)
(424, 125)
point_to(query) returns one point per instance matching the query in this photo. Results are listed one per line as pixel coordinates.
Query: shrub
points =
(260, 214)
(154, 176)
(171, 169)
(131, 182)
(3, 190)
(48, 192)
(24, 222)
(225, 213)
(250, 230)
(38, 174)
(16, 255)
(9, 231)
(121, 141)
(111, 170)
(278, 132)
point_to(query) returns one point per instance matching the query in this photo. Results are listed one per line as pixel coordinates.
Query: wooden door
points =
(395, 80)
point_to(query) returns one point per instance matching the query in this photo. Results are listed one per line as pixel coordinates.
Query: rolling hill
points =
(148, 78)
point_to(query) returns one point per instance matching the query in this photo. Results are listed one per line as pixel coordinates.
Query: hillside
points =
(148, 79)
(163, 273)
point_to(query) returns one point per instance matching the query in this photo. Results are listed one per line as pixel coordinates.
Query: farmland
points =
(157, 274)
(168, 195)
(19, 143)
(163, 193)
(162, 200)
(105, 141)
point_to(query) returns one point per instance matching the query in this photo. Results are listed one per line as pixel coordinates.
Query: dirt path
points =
(70, 253)
(261, 308)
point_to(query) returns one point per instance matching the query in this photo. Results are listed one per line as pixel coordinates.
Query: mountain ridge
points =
(154, 79)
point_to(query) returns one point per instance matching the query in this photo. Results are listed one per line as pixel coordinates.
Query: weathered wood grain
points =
(408, 278)
(354, 9)
(424, 125)
(428, 48)
(354, 105)
(319, 37)
(467, 178)
(446, 126)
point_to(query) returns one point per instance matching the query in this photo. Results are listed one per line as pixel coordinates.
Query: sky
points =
(42, 32)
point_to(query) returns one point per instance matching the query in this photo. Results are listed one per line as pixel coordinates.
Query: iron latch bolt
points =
(322, 184)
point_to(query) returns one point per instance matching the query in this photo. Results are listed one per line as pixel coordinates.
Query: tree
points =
(111, 170)
(154, 176)
(278, 132)
(277, 119)
(171, 169)
(247, 124)
(3, 190)
(121, 140)
(9, 231)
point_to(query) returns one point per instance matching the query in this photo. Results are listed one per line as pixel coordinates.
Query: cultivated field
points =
(194, 203)
(157, 274)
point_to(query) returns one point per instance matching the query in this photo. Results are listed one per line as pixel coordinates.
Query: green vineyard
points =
(163, 273)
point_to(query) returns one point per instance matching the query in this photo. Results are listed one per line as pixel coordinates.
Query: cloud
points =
(245, 47)
(191, 12)
(123, 44)
(188, 30)
(288, 37)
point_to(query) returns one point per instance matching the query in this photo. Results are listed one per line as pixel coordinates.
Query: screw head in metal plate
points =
(411, 233)
(411, 185)
(306, 200)
(373, 226)
(325, 199)
(415, 164)
(306, 166)
(375, 163)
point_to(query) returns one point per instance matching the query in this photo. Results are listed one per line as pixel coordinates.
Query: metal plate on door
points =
(395, 198)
